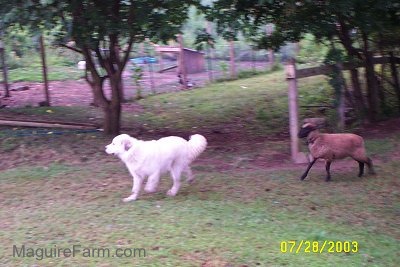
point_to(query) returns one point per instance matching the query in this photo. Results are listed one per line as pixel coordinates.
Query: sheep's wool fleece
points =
(335, 146)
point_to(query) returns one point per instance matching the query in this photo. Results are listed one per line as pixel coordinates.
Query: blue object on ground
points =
(143, 60)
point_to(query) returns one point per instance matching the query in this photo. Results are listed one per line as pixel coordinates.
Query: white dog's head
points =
(120, 145)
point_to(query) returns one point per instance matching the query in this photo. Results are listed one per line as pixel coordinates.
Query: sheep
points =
(334, 146)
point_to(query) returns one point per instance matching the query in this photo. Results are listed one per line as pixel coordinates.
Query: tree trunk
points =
(121, 91)
(112, 116)
(112, 109)
(358, 95)
(381, 89)
(97, 86)
(372, 83)
(341, 105)
(395, 78)
(112, 119)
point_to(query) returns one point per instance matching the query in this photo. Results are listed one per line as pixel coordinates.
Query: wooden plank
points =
(168, 68)
(167, 49)
(326, 69)
(303, 73)
(44, 124)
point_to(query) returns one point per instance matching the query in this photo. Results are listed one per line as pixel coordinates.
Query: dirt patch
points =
(381, 129)
(62, 93)
(78, 92)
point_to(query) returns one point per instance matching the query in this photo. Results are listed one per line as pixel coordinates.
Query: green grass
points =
(58, 68)
(225, 218)
(35, 74)
(64, 190)
(258, 105)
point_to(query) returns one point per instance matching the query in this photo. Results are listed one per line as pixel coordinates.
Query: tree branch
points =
(343, 34)
(100, 58)
(89, 62)
(114, 50)
(127, 52)
(71, 48)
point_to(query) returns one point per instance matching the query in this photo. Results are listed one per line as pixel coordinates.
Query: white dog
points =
(153, 158)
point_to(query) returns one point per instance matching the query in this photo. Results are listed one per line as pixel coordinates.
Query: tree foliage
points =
(363, 28)
(103, 32)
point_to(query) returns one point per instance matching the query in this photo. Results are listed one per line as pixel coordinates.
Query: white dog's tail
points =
(197, 144)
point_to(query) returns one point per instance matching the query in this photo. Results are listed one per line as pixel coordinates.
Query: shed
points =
(194, 60)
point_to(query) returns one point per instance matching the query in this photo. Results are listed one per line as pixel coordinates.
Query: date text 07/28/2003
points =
(306, 246)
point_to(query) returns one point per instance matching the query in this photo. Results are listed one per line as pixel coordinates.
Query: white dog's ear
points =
(127, 144)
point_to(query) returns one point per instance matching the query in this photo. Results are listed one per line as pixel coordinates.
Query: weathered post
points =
(232, 58)
(271, 56)
(182, 67)
(5, 69)
(209, 53)
(290, 68)
(44, 69)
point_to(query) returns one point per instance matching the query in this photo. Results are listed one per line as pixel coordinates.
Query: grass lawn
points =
(60, 191)
(58, 69)
(34, 74)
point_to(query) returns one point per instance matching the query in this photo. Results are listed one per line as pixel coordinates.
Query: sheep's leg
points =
(308, 169)
(361, 167)
(370, 167)
(328, 170)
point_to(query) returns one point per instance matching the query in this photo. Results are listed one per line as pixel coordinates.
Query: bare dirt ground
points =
(78, 92)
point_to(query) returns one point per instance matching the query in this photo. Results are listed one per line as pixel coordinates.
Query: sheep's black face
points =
(304, 131)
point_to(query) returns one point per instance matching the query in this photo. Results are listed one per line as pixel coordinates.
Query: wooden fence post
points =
(271, 55)
(232, 58)
(5, 70)
(210, 56)
(290, 69)
(44, 69)
(182, 67)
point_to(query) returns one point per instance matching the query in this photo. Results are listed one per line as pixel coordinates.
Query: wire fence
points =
(149, 72)
(159, 73)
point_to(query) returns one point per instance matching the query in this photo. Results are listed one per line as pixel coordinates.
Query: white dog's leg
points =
(137, 183)
(176, 177)
(152, 183)
(190, 178)
(130, 198)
